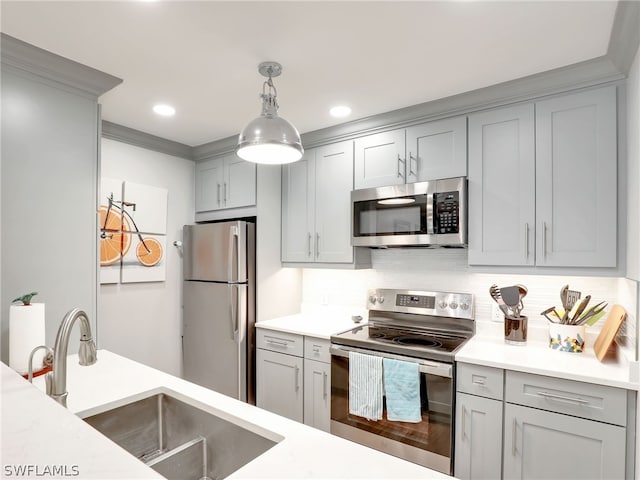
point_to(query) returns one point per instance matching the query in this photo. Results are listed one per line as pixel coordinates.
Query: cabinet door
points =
(239, 185)
(279, 383)
(298, 205)
(546, 445)
(576, 177)
(334, 182)
(478, 443)
(437, 150)
(317, 394)
(380, 159)
(209, 184)
(502, 186)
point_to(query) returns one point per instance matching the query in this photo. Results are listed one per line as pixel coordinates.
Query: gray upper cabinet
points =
(502, 186)
(437, 150)
(225, 182)
(422, 152)
(576, 174)
(316, 213)
(380, 159)
(543, 187)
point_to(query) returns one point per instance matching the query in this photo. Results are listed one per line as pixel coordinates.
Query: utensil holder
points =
(515, 330)
(567, 338)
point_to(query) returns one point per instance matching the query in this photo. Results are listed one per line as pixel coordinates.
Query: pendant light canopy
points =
(269, 139)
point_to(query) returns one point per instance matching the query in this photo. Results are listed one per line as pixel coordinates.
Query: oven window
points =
(372, 218)
(433, 433)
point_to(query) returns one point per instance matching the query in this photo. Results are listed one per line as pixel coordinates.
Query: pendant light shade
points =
(269, 139)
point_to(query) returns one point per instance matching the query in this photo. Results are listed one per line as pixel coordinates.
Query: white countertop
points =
(37, 431)
(488, 348)
(319, 323)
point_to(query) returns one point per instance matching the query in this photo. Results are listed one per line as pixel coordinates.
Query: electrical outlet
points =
(324, 300)
(496, 313)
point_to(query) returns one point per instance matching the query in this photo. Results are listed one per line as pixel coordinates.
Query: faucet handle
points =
(46, 361)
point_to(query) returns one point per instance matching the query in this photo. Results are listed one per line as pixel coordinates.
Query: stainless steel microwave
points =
(432, 213)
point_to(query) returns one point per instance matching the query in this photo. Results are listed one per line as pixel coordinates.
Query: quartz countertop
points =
(38, 432)
(488, 348)
(318, 323)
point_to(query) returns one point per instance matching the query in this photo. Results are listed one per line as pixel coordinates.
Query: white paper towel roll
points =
(26, 332)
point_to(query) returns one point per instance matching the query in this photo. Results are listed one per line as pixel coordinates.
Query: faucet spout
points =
(56, 380)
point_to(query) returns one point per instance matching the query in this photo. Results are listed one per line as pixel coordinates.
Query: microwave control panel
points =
(447, 212)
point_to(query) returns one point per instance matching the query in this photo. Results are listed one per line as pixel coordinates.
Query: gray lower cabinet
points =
(541, 444)
(478, 441)
(293, 377)
(478, 431)
(516, 425)
(279, 373)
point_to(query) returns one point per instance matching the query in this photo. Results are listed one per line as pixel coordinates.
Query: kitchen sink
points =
(180, 440)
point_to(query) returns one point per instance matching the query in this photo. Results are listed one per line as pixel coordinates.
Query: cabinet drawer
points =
(586, 400)
(480, 380)
(283, 342)
(317, 349)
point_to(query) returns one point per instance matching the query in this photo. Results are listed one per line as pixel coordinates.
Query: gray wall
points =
(48, 199)
(142, 321)
(48, 191)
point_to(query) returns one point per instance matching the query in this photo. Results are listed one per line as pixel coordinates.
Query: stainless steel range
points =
(420, 327)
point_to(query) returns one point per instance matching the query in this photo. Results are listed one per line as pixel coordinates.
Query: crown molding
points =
(28, 59)
(625, 35)
(120, 133)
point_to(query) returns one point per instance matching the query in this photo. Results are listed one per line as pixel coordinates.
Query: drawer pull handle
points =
(297, 385)
(478, 381)
(279, 344)
(316, 349)
(561, 398)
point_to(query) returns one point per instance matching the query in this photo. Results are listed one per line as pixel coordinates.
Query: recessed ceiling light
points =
(340, 111)
(164, 110)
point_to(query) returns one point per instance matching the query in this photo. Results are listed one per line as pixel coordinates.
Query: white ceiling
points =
(202, 57)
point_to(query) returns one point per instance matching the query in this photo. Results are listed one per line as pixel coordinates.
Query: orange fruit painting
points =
(114, 242)
(149, 252)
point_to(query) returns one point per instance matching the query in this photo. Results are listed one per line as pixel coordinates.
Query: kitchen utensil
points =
(578, 311)
(609, 331)
(495, 293)
(572, 297)
(548, 311)
(563, 297)
(591, 312)
(511, 296)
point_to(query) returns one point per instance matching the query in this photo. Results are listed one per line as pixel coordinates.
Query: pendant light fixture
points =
(269, 139)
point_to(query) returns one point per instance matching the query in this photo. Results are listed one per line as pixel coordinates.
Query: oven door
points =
(428, 443)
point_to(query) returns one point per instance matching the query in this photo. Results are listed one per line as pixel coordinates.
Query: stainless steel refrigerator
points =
(218, 340)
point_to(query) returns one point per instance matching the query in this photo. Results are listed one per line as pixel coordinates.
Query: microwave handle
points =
(430, 216)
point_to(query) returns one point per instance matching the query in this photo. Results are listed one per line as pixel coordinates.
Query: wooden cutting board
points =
(609, 331)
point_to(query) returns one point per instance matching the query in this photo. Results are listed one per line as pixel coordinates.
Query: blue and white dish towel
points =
(402, 389)
(365, 386)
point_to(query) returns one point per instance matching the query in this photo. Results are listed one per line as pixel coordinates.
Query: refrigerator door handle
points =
(233, 259)
(237, 308)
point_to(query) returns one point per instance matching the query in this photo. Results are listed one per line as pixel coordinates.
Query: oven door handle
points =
(425, 366)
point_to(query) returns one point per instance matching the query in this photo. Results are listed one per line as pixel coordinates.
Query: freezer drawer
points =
(215, 337)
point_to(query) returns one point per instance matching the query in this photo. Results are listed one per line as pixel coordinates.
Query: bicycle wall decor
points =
(132, 230)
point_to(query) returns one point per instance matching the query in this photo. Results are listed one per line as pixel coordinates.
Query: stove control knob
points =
(373, 299)
(380, 299)
(464, 306)
(453, 305)
(442, 304)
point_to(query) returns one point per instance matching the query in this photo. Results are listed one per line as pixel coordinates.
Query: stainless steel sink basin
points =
(180, 440)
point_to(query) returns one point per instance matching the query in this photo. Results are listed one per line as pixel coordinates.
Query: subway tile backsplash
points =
(447, 270)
